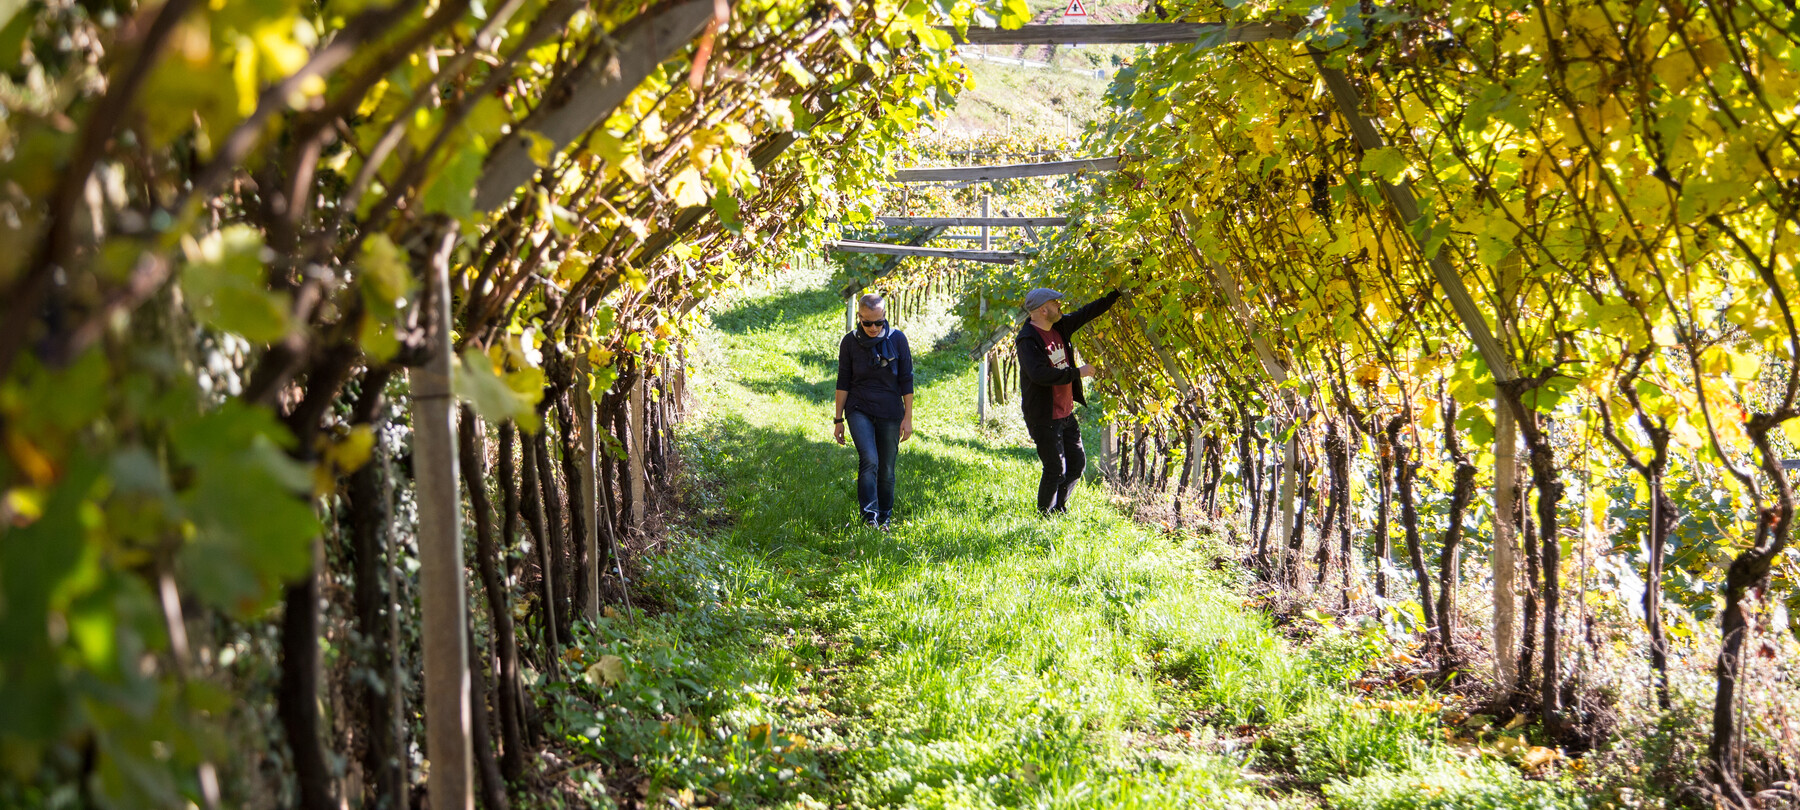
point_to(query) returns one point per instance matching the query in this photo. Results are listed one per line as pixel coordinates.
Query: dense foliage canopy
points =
(222, 225)
(1415, 228)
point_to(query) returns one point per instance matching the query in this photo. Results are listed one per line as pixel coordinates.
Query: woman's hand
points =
(837, 432)
(906, 427)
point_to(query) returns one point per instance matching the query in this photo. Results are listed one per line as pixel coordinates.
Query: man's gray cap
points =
(1039, 297)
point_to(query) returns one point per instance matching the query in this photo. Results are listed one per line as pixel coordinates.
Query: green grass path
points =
(975, 656)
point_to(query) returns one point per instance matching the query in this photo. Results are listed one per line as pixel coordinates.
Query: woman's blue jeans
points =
(877, 447)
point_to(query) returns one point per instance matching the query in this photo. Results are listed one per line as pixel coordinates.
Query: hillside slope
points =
(1066, 91)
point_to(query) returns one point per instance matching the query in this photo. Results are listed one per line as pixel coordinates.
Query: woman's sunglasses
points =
(867, 324)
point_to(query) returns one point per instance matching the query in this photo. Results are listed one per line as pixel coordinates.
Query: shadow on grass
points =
(1027, 453)
(817, 393)
(794, 497)
(1019, 453)
(820, 357)
(776, 310)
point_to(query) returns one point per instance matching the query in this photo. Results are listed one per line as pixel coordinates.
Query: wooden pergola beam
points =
(989, 256)
(593, 90)
(993, 339)
(893, 263)
(989, 222)
(1006, 171)
(1210, 35)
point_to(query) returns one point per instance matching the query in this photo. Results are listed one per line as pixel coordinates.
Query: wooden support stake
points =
(640, 488)
(1195, 450)
(1290, 463)
(986, 240)
(981, 368)
(590, 487)
(1506, 473)
(681, 366)
(442, 601)
(1109, 451)
(1506, 486)
(596, 87)
(981, 383)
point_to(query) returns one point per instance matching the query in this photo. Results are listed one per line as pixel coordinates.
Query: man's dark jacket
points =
(1037, 378)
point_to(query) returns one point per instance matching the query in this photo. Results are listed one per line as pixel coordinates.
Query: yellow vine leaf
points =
(688, 188)
(607, 671)
(541, 148)
(496, 395)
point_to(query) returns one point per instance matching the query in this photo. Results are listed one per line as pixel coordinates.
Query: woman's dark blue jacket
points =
(873, 389)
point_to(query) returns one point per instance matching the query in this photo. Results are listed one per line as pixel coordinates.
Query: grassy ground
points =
(975, 656)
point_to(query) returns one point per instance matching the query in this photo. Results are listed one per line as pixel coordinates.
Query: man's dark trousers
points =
(1059, 447)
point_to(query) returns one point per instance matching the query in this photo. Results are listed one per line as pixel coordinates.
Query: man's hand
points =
(906, 427)
(1089, 371)
(837, 432)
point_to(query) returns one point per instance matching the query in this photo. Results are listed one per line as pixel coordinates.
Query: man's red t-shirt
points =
(1062, 397)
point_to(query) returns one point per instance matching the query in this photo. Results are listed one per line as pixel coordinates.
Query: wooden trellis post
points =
(1506, 473)
(590, 487)
(680, 379)
(1506, 476)
(1195, 449)
(1109, 451)
(981, 380)
(981, 368)
(636, 430)
(1290, 469)
(442, 603)
(1406, 209)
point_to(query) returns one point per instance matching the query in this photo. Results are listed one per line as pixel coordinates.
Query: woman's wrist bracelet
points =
(837, 420)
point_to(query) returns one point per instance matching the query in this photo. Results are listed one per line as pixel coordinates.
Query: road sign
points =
(1075, 14)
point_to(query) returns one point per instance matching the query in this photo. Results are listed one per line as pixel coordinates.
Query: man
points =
(1050, 374)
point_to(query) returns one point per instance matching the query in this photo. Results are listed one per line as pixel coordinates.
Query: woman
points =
(875, 398)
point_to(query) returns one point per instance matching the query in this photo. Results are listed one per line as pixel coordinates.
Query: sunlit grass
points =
(975, 656)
